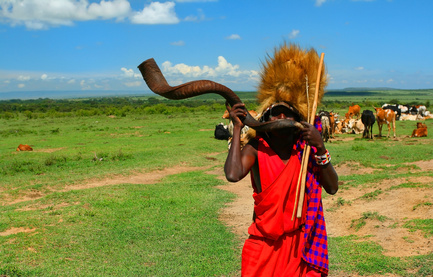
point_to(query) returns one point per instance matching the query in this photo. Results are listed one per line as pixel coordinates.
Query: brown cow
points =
(332, 117)
(353, 110)
(24, 147)
(420, 131)
(420, 125)
(385, 117)
(226, 115)
(339, 127)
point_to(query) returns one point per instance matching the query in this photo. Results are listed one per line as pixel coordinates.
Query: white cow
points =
(354, 126)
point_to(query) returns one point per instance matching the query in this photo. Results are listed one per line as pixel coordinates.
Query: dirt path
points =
(397, 206)
(142, 178)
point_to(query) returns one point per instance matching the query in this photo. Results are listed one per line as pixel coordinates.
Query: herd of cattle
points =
(331, 124)
(355, 122)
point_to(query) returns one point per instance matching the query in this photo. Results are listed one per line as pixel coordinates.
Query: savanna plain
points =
(133, 186)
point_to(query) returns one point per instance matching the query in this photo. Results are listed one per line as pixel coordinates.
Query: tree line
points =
(122, 106)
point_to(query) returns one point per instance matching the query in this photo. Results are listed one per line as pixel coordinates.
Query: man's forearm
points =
(233, 164)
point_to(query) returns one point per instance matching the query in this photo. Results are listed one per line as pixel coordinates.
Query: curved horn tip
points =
(146, 61)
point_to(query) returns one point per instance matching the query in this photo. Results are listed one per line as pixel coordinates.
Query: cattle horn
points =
(157, 83)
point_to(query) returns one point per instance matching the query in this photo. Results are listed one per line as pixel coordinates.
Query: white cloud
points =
(129, 73)
(223, 69)
(227, 68)
(156, 13)
(234, 36)
(42, 14)
(320, 2)
(186, 70)
(23, 78)
(178, 43)
(109, 9)
(293, 34)
(359, 68)
(196, 18)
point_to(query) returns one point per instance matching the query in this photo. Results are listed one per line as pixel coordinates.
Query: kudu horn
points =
(157, 83)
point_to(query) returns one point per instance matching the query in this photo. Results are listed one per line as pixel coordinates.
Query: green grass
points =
(348, 254)
(172, 227)
(126, 145)
(359, 223)
(425, 225)
(352, 254)
(371, 195)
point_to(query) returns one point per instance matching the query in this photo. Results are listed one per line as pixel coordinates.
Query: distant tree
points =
(7, 115)
(153, 101)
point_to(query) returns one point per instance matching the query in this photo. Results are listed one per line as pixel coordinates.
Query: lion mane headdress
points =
(290, 76)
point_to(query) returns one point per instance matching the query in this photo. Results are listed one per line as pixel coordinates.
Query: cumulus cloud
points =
(109, 9)
(129, 73)
(44, 76)
(222, 70)
(43, 14)
(227, 68)
(234, 36)
(293, 34)
(156, 13)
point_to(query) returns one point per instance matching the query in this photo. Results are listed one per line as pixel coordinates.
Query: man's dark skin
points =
(240, 162)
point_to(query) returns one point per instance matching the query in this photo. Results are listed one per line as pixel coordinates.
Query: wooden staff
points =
(304, 162)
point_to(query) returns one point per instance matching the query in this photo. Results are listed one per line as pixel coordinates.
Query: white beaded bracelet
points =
(323, 159)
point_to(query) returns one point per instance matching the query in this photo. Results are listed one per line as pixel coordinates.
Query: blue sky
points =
(97, 45)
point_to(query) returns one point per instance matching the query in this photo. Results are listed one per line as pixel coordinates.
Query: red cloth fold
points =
(273, 207)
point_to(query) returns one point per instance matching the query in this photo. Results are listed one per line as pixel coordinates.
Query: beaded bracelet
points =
(324, 159)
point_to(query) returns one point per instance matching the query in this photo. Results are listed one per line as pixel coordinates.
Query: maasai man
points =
(279, 245)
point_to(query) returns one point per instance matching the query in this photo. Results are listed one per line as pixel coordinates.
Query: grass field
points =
(54, 222)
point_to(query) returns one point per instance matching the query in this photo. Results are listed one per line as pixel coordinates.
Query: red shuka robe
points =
(275, 244)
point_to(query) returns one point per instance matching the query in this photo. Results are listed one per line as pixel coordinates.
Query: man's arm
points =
(239, 162)
(328, 175)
